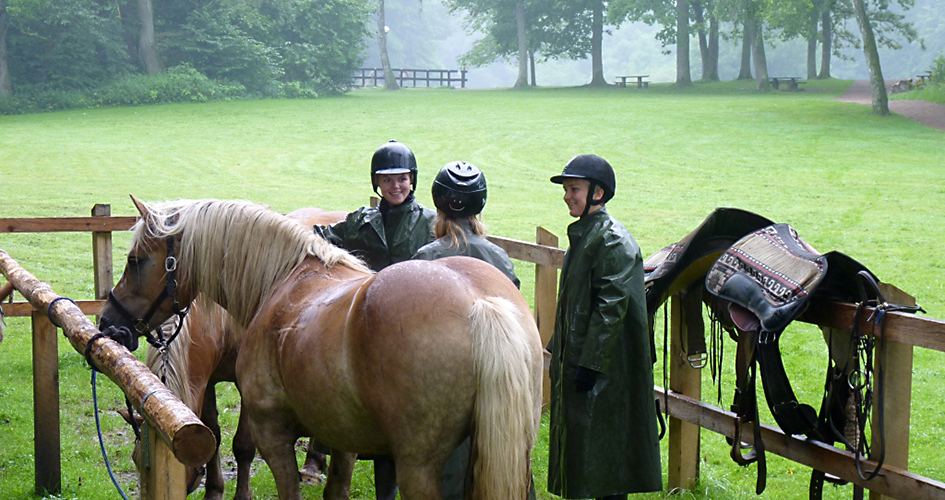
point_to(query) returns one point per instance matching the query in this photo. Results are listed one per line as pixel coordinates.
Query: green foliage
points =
(938, 70)
(177, 84)
(214, 43)
(65, 44)
(261, 44)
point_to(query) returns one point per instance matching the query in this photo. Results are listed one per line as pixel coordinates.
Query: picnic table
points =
(925, 76)
(640, 83)
(792, 81)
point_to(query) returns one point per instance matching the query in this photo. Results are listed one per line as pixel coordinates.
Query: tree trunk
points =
(146, 51)
(812, 48)
(703, 39)
(390, 81)
(6, 86)
(758, 54)
(531, 62)
(880, 99)
(827, 27)
(744, 71)
(713, 49)
(522, 80)
(597, 42)
(683, 78)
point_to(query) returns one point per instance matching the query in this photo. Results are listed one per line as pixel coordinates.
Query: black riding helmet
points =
(394, 158)
(459, 189)
(594, 169)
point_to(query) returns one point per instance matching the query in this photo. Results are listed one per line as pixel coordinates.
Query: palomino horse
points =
(405, 362)
(203, 355)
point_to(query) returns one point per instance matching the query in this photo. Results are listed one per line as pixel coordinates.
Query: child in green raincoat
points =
(604, 441)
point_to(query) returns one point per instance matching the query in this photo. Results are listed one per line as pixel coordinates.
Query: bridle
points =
(142, 326)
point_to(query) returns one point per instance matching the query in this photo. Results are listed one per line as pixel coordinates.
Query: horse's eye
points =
(134, 261)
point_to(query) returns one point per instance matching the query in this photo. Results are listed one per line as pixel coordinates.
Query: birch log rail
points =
(190, 440)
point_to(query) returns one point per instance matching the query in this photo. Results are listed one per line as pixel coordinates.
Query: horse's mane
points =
(236, 250)
(173, 373)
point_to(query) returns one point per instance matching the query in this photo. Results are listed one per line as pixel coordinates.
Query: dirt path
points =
(926, 113)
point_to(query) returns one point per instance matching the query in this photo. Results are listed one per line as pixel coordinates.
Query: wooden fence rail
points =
(441, 77)
(688, 414)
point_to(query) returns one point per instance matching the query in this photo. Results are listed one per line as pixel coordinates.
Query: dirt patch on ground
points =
(927, 113)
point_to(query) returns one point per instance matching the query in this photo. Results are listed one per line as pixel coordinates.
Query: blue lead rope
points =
(101, 441)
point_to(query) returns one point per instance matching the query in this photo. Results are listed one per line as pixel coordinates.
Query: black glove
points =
(123, 336)
(584, 379)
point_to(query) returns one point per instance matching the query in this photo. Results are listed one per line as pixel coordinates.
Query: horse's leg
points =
(214, 484)
(385, 478)
(340, 469)
(316, 464)
(419, 482)
(244, 450)
(277, 448)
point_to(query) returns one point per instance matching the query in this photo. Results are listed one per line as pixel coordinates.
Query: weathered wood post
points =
(683, 452)
(546, 300)
(46, 444)
(897, 400)
(166, 477)
(102, 265)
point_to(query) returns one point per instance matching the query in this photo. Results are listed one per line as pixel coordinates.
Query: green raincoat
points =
(604, 441)
(382, 239)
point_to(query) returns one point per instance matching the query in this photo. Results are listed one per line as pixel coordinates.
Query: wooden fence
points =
(688, 414)
(371, 77)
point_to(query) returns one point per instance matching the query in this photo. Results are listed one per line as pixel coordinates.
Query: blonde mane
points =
(236, 251)
(173, 373)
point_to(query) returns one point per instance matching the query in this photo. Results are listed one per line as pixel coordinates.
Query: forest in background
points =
(423, 34)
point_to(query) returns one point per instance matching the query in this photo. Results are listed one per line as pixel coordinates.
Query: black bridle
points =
(142, 326)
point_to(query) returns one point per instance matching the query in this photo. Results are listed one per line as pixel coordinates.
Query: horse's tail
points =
(506, 410)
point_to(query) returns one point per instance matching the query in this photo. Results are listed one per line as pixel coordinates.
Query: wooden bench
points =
(640, 83)
(792, 81)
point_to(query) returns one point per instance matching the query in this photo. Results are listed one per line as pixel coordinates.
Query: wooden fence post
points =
(546, 301)
(46, 444)
(897, 400)
(166, 476)
(683, 452)
(102, 265)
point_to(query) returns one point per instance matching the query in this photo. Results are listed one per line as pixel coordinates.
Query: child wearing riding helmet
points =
(387, 234)
(603, 438)
(459, 193)
(394, 230)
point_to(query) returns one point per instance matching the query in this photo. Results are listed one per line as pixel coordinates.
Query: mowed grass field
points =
(871, 187)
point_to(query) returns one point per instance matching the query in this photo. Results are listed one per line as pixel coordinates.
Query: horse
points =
(203, 355)
(405, 362)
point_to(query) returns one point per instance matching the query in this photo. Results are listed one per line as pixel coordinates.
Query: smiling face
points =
(575, 196)
(395, 188)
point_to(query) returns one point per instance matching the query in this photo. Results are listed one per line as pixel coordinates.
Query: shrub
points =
(938, 70)
(177, 84)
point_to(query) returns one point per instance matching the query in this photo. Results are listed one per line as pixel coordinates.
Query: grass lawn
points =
(871, 187)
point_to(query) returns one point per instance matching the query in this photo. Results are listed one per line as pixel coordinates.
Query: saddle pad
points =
(677, 266)
(771, 272)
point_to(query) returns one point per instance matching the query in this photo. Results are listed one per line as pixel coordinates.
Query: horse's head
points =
(148, 292)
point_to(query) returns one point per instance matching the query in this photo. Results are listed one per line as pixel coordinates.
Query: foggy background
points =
(423, 35)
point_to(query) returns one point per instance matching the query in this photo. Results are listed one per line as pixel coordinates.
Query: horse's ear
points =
(142, 208)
